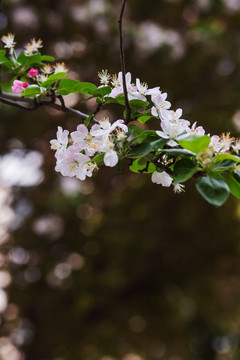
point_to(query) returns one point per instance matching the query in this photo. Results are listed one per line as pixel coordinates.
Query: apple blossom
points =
(133, 93)
(33, 47)
(160, 104)
(172, 153)
(105, 128)
(60, 144)
(8, 41)
(60, 67)
(161, 178)
(33, 72)
(173, 130)
(110, 158)
(104, 77)
(143, 88)
(19, 86)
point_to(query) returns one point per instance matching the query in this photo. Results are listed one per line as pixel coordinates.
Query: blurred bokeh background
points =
(118, 268)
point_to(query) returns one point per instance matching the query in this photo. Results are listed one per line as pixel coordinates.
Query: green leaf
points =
(98, 159)
(178, 152)
(69, 86)
(102, 91)
(140, 164)
(221, 157)
(120, 100)
(53, 78)
(2, 56)
(47, 58)
(139, 150)
(138, 104)
(144, 119)
(184, 169)
(213, 190)
(134, 130)
(4, 61)
(28, 60)
(195, 143)
(224, 165)
(88, 120)
(233, 184)
(158, 144)
(31, 91)
(85, 88)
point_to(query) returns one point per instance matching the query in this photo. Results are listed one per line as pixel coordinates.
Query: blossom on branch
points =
(19, 86)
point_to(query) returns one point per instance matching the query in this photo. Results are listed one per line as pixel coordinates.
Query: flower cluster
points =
(172, 154)
(75, 155)
(35, 77)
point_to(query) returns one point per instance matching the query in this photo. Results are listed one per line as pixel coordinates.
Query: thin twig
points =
(123, 67)
(98, 108)
(160, 166)
(30, 104)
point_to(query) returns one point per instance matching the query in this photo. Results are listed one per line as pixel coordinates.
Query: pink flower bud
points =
(33, 72)
(19, 86)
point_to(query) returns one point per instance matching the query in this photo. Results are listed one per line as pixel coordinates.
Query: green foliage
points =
(141, 164)
(213, 190)
(221, 157)
(29, 60)
(88, 120)
(47, 58)
(179, 152)
(69, 86)
(101, 92)
(31, 91)
(143, 119)
(140, 150)
(195, 143)
(184, 169)
(4, 61)
(138, 105)
(233, 183)
(53, 79)
(223, 165)
(98, 159)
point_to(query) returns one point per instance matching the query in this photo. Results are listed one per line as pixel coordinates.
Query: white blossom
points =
(33, 47)
(110, 158)
(8, 41)
(161, 178)
(104, 77)
(132, 91)
(105, 128)
(60, 144)
(161, 105)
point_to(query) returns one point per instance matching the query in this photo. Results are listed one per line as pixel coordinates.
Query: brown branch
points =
(98, 108)
(30, 104)
(123, 67)
(160, 166)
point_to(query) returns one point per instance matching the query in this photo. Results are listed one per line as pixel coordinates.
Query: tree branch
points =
(30, 104)
(160, 166)
(123, 67)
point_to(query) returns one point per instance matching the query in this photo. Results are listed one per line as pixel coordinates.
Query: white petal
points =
(110, 158)
(161, 178)
(154, 112)
(179, 113)
(162, 134)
